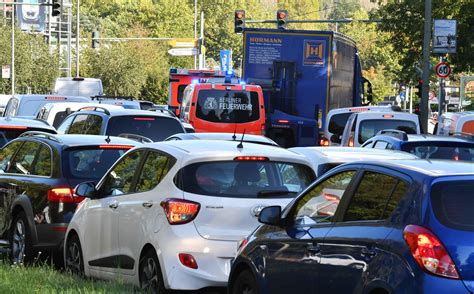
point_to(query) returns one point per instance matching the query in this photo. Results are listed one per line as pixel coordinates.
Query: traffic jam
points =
(244, 183)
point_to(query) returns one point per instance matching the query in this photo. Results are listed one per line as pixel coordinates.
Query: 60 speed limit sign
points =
(443, 70)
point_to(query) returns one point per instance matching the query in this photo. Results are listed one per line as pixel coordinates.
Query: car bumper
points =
(50, 236)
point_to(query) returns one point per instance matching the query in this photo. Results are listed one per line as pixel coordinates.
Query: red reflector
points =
(283, 121)
(55, 98)
(180, 211)
(60, 229)
(64, 195)
(251, 158)
(387, 116)
(143, 118)
(123, 147)
(188, 260)
(13, 127)
(429, 252)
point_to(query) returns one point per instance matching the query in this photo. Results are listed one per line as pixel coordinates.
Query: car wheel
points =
(245, 284)
(20, 240)
(151, 280)
(74, 261)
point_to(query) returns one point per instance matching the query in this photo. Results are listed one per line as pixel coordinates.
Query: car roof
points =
(25, 122)
(42, 96)
(65, 105)
(190, 150)
(425, 138)
(227, 137)
(357, 109)
(82, 140)
(396, 114)
(434, 168)
(114, 111)
(349, 154)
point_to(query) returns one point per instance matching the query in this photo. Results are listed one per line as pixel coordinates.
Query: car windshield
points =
(245, 179)
(153, 127)
(227, 106)
(370, 127)
(433, 151)
(90, 162)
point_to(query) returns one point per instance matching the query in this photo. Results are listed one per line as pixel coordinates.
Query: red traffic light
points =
(281, 15)
(239, 14)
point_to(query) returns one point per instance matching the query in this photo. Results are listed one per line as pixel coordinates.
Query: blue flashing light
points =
(242, 83)
(230, 72)
(195, 81)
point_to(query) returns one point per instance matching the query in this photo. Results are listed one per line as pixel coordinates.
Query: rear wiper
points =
(270, 193)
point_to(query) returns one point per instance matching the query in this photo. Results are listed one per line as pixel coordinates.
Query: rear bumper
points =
(212, 257)
(50, 237)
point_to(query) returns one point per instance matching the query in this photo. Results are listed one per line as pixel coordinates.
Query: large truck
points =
(303, 75)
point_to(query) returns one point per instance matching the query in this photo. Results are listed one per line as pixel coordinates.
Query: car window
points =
(120, 179)
(380, 145)
(154, 169)
(23, 161)
(64, 127)
(337, 123)
(86, 124)
(372, 198)
(7, 153)
(43, 162)
(77, 125)
(155, 128)
(60, 116)
(320, 203)
(368, 144)
(370, 127)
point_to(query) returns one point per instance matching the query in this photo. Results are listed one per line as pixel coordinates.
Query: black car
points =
(38, 173)
(367, 227)
(424, 146)
(148, 125)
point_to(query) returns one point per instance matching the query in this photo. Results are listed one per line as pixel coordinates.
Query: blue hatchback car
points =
(367, 227)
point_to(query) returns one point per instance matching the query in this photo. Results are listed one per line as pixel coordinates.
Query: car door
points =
(138, 211)
(354, 246)
(293, 253)
(101, 222)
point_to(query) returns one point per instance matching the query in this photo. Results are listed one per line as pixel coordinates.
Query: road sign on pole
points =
(443, 70)
(183, 43)
(183, 51)
(5, 71)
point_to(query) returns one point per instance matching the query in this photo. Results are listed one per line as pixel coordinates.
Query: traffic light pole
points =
(77, 39)
(13, 51)
(426, 67)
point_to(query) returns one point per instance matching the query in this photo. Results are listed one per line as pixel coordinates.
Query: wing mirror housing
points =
(86, 189)
(271, 215)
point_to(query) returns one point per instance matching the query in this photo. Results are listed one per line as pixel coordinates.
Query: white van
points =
(86, 87)
(459, 123)
(364, 125)
(336, 120)
(55, 113)
(27, 106)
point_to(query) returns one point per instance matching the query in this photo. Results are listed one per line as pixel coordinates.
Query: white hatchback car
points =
(170, 215)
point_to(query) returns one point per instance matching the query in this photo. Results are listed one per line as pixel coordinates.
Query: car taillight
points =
(351, 142)
(180, 211)
(251, 158)
(188, 260)
(429, 252)
(120, 147)
(143, 118)
(64, 195)
(324, 141)
(262, 130)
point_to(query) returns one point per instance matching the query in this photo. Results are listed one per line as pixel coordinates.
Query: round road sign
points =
(443, 70)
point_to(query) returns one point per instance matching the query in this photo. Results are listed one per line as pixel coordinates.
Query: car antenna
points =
(234, 136)
(107, 139)
(241, 140)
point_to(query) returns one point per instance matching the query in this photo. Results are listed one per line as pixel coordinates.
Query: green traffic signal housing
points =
(95, 41)
(239, 21)
(282, 19)
(56, 8)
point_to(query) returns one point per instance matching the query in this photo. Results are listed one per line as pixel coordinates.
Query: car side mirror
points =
(86, 189)
(336, 138)
(270, 215)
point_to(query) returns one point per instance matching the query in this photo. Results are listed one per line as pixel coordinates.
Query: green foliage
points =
(35, 67)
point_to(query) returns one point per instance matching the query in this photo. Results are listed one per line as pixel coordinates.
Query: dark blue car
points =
(424, 146)
(367, 227)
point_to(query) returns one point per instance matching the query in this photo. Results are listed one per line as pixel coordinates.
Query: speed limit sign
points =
(443, 70)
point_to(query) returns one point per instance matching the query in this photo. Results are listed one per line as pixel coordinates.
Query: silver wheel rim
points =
(150, 275)
(73, 260)
(18, 242)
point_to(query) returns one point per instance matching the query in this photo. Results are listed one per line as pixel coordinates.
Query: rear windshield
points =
(441, 152)
(227, 106)
(452, 204)
(8, 135)
(90, 163)
(338, 122)
(153, 127)
(370, 127)
(245, 179)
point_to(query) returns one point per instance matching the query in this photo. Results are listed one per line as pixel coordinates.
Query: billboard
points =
(31, 17)
(444, 36)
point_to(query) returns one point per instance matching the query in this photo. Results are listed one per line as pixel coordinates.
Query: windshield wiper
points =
(270, 193)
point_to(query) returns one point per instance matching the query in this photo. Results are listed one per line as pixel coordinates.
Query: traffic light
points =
(282, 18)
(95, 42)
(419, 86)
(56, 8)
(239, 21)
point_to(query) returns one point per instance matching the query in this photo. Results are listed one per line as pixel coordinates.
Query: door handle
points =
(368, 252)
(147, 204)
(314, 248)
(113, 204)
